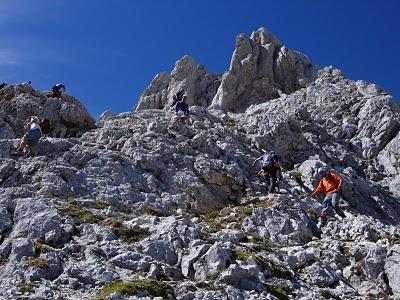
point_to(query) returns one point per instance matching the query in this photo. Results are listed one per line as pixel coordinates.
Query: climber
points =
(32, 136)
(3, 85)
(182, 110)
(177, 97)
(331, 184)
(56, 90)
(45, 127)
(271, 169)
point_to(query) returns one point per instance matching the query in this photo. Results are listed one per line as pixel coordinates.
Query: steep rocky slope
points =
(144, 207)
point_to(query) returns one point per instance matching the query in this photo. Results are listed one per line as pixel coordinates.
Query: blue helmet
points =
(322, 170)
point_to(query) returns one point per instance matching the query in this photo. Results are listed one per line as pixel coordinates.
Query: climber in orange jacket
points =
(331, 184)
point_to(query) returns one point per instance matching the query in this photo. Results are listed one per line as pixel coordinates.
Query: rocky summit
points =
(138, 207)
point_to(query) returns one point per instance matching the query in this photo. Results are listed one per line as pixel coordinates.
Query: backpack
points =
(45, 125)
(269, 159)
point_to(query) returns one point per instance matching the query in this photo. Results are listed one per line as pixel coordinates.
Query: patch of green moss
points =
(243, 212)
(328, 295)
(212, 220)
(129, 235)
(3, 261)
(312, 213)
(347, 251)
(281, 272)
(296, 173)
(80, 214)
(100, 204)
(150, 210)
(278, 292)
(268, 203)
(37, 262)
(215, 226)
(212, 215)
(26, 287)
(143, 287)
(240, 255)
(206, 285)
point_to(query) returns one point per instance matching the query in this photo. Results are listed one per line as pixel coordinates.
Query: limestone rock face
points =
(262, 69)
(179, 208)
(200, 86)
(68, 117)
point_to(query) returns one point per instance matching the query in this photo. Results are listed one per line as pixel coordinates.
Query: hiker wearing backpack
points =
(271, 169)
(177, 97)
(181, 110)
(32, 136)
(331, 184)
(57, 90)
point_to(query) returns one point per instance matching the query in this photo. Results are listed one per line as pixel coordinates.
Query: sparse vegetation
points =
(3, 261)
(129, 235)
(150, 210)
(37, 262)
(297, 174)
(240, 255)
(26, 287)
(212, 220)
(268, 203)
(243, 212)
(143, 287)
(81, 215)
(214, 276)
(278, 292)
(312, 213)
(101, 204)
(328, 295)
(39, 247)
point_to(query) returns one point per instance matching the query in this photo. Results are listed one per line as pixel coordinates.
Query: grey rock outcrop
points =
(68, 117)
(262, 69)
(200, 86)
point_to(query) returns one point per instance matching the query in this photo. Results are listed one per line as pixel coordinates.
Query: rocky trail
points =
(135, 206)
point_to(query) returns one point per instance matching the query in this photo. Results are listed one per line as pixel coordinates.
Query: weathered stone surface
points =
(262, 69)
(142, 198)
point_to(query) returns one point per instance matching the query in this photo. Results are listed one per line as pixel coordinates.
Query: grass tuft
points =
(278, 292)
(143, 287)
(80, 214)
(100, 204)
(240, 255)
(328, 295)
(150, 210)
(39, 247)
(37, 262)
(129, 235)
(26, 287)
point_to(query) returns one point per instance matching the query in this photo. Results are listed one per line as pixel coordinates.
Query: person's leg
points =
(335, 205)
(326, 205)
(272, 182)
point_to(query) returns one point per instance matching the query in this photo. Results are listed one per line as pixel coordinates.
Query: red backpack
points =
(45, 125)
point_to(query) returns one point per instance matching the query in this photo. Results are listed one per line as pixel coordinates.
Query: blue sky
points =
(107, 52)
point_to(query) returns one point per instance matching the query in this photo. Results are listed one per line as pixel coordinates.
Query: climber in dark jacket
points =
(182, 111)
(271, 169)
(57, 90)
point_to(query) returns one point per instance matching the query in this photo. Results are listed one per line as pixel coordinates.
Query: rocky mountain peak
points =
(141, 207)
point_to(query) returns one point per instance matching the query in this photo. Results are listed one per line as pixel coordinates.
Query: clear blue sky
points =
(107, 52)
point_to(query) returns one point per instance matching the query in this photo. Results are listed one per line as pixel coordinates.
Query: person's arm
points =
(317, 190)
(256, 160)
(340, 184)
(279, 171)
